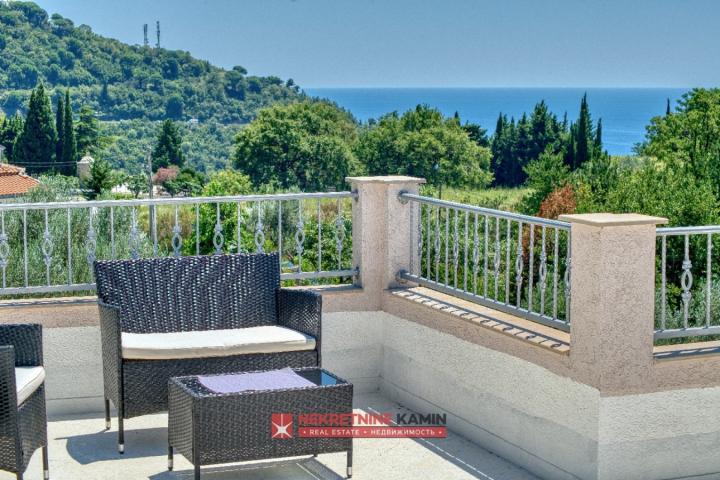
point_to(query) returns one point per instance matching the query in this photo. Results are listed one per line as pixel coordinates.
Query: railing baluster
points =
(91, 241)
(134, 235)
(496, 259)
(176, 238)
(428, 213)
(663, 287)
(339, 234)
(47, 249)
(240, 222)
(456, 248)
(485, 258)
(465, 256)
(508, 241)
(447, 245)
(25, 248)
(568, 273)
(556, 254)
(218, 237)
(531, 265)
(542, 272)
(112, 233)
(238, 227)
(259, 229)
(4, 249)
(708, 281)
(69, 247)
(319, 235)
(419, 255)
(197, 230)
(280, 232)
(519, 267)
(476, 254)
(686, 281)
(153, 223)
(300, 236)
(437, 244)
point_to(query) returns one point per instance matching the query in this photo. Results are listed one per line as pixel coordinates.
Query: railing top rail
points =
(665, 231)
(175, 201)
(486, 211)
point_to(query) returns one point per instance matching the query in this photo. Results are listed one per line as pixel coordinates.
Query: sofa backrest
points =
(191, 293)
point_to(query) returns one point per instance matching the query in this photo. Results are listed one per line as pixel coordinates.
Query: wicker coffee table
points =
(210, 428)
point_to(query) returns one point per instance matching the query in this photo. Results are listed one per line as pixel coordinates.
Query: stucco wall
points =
(523, 412)
(673, 434)
(522, 405)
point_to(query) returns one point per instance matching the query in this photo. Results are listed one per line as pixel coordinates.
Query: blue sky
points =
(432, 43)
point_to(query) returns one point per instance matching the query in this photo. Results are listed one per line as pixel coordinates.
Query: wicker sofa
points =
(169, 317)
(23, 421)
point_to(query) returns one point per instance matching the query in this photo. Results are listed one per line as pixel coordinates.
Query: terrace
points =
(554, 344)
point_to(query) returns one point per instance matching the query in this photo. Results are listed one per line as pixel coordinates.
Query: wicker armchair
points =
(168, 301)
(23, 421)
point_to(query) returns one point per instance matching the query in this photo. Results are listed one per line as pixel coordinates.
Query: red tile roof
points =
(7, 169)
(13, 181)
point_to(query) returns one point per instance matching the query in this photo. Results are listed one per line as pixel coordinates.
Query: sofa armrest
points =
(27, 340)
(111, 343)
(8, 393)
(301, 310)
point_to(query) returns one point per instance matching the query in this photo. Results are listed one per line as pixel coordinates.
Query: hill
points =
(121, 81)
(132, 88)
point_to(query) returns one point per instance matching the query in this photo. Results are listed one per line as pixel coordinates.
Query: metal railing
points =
(514, 263)
(50, 247)
(687, 295)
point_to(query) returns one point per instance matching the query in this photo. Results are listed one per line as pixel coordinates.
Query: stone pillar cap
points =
(385, 179)
(613, 219)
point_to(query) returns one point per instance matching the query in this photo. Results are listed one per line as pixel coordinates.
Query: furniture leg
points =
(107, 414)
(121, 435)
(349, 463)
(46, 463)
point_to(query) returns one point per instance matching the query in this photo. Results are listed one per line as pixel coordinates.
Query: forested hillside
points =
(142, 85)
(121, 81)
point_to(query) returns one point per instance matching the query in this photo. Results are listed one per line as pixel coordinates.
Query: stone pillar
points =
(612, 303)
(384, 231)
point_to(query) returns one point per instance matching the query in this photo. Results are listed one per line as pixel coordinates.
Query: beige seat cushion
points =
(213, 343)
(27, 380)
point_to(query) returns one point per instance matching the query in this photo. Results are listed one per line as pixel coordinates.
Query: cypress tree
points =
(87, 131)
(35, 148)
(583, 135)
(571, 146)
(9, 132)
(69, 153)
(598, 138)
(168, 150)
(668, 111)
(59, 128)
(496, 148)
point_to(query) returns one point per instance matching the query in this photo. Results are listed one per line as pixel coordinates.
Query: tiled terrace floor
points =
(81, 449)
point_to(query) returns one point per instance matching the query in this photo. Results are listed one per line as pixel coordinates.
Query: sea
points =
(625, 112)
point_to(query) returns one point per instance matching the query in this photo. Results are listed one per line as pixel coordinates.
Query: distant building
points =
(83, 167)
(14, 182)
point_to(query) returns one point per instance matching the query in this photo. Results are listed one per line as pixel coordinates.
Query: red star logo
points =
(281, 425)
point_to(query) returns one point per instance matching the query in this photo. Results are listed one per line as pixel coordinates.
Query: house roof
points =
(13, 181)
(7, 169)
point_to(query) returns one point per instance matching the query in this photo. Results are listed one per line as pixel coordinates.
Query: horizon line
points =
(592, 87)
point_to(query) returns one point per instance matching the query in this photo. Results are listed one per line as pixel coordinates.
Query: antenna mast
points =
(145, 37)
(157, 31)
